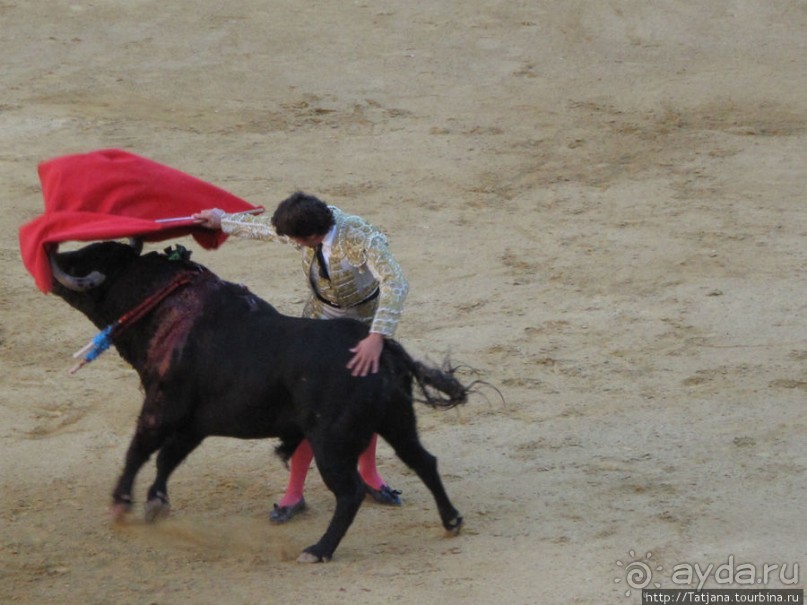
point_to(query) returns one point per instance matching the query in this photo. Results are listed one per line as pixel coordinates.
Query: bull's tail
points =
(438, 386)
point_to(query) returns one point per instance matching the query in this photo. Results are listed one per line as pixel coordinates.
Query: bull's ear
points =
(137, 244)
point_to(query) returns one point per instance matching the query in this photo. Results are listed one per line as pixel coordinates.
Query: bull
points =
(214, 359)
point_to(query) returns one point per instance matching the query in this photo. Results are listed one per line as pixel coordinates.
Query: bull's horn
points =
(137, 244)
(71, 282)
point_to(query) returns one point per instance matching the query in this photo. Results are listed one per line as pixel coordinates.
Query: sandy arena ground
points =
(600, 205)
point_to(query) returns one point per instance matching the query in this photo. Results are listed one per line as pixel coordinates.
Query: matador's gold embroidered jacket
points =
(359, 262)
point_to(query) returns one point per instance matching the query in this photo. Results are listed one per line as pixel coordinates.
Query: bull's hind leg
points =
(338, 470)
(175, 449)
(401, 434)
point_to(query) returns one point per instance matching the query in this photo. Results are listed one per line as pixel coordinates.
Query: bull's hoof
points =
(121, 506)
(118, 512)
(454, 526)
(309, 557)
(157, 508)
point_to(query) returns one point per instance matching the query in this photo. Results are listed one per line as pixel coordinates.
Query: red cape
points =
(112, 194)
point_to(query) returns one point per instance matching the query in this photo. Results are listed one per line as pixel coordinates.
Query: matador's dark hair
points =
(302, 215)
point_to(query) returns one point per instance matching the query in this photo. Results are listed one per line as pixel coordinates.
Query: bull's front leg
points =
(174, 450)
(136, 456)
(147, 439)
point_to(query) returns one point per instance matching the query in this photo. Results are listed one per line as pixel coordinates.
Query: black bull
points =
(214, 359)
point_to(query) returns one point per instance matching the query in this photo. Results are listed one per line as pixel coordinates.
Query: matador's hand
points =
(367, 355)
(209, 218)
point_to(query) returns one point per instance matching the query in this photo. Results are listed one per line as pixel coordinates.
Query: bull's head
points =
(84, 269)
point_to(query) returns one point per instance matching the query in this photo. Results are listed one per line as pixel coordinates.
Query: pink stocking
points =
(299, 464)
(367, 467)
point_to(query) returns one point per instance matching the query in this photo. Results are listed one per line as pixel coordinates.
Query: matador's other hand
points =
(367, 355)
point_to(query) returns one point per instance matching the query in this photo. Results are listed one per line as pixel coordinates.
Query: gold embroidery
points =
(364, 248)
